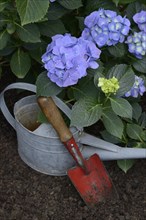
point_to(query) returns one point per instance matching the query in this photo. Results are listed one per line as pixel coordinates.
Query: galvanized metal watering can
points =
(41, 148)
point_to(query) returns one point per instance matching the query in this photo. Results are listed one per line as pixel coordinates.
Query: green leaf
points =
(110, 138)
(31, 10)
(4, 37)
(11, 28)
(126, 1)
(94, 5)
(29, 33)
(125, 165)
(0, 71)
(134, 131)
(117, 50)
(20, 63)
(85, 112)
(140, 65)
(123, 1)
(113, 123)
(81, 23)
(143, 136)
(142, 120)
(116, 2)
(45, 87)
(134, 8)
(125, 76)
(56, 11)
(42, 118)
(7, 50)
(71, 4)
(51, 28)
(3, 4)
(121, 107)
(37, 53)
(85, 87)
(141, 144)
(137, 110)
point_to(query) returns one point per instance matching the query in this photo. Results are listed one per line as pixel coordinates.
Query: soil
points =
(26, 194)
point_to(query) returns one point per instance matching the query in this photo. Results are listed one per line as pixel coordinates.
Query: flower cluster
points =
(67, 59)
(109, 86)
(137, 89)
(137, 44)
(140, 20)
(105, 27)
(137, 41)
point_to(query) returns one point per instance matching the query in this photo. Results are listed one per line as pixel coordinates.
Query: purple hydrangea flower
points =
(105, 27)
(140, 19)
(137, 44)
(137, 89)
(67, 59)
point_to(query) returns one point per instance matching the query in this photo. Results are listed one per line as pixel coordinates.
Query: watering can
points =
(41, 148)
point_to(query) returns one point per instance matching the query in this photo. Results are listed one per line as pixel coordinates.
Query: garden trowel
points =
(89, 177)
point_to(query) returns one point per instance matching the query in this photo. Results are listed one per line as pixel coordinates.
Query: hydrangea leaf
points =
(142, 120)
(45, 87)
(126, 1)
(110, 138)
(3, 4)
(71, 4)
(51, 28)
(137, 110)
(133, 8)
(31, 11)
(112, 123)
(4, 37)
(20, 63)
(56, 11)
(37, 52)
(121, 107)
(125, 165)
(143, 136)
(140, 65)
(125, 75)
(134, 131)
(29, 33)
(0, 71)
(85, 87)
(85, 112)
(94, 5)
(117, 50)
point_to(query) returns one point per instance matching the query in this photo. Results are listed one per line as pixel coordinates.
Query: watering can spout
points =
(121, 154)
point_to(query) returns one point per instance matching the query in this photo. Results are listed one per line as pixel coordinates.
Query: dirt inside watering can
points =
(32, 126)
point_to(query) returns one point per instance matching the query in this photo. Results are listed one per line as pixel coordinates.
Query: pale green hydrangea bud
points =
(109, 86)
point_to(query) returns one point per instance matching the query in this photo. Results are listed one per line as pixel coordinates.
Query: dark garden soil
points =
(26, 194)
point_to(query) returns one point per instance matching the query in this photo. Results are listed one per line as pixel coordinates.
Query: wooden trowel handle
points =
(54, 116)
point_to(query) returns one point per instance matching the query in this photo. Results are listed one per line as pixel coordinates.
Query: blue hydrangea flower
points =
(137, 44)
(137, 89)
(67, 59)
(140, 20)
(105, 27)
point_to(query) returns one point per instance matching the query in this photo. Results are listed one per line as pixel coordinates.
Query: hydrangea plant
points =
(91, 54)
(98, 90)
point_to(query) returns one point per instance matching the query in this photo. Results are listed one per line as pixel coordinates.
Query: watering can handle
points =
(28, 87)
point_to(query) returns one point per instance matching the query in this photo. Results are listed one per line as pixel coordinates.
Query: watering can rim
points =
(32, 132)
